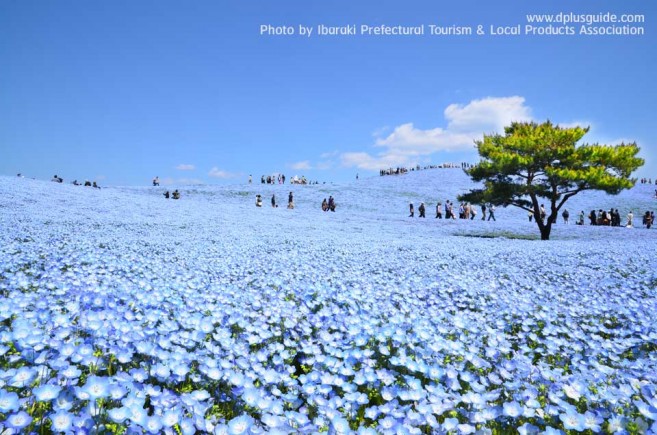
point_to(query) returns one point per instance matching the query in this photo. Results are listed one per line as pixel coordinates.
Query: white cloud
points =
(300, 166)
(218, 173)
(185, 167)
(408, 145)
(488, 115)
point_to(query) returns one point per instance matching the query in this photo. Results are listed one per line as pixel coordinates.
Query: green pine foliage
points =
(531, 161)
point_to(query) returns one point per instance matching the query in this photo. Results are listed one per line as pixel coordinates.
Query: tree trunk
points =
(545, 231)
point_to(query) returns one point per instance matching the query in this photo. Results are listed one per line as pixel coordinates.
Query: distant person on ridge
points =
(176, 194)
(273, 200)
(439, 211)
(411, 210)
(565, 216)
(156, 181)
(483, 212)
(630, 216)
(290, 201)
(324, 205)
(491, 212)
(258, 201)
(167, 194)
(331, 203)
(421, 209)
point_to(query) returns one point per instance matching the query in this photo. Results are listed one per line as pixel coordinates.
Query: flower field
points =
(124, 312)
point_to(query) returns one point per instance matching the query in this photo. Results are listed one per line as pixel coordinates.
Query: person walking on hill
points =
(421, 209)
(483, 212)
(411, 210)
(290, 201)
(439, 211)
(331, 203)
(565, 216)
(273, 200)
(491, 212)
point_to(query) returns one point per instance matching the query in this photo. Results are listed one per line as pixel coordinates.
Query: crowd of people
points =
(174, 195)
(280, 179)
(327, 205)
(648, 181)
(465, 211)
(613, 218)
(403, 170)
(87, 183)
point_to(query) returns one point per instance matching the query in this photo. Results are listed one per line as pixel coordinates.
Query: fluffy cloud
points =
(185, 167)
(218, 173)
(407, 145)
(486, 115)
(304, 165)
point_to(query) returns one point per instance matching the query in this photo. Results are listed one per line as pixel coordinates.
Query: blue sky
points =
(121, 91)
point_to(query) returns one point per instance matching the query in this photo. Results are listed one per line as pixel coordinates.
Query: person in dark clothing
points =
(647, 219)
(324, 205)
(483, 212)
(565, 216)
(331, 203)
(175, 194)
(290, 200)
(593, 218)
(491, 212)
(273, 200)
(166, 194)
(421, 210)
(411, 210)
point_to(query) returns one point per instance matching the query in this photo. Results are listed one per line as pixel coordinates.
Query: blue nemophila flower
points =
(528, 429)
(46, 393)
(96, 387)
(152, 424)
(513, 409)
(240, 425)
(119, 415)
(18, 421)
(573, 420)
(646, 410)
(23, 377)
(187, 426)
(8, 401)
(61, 421)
